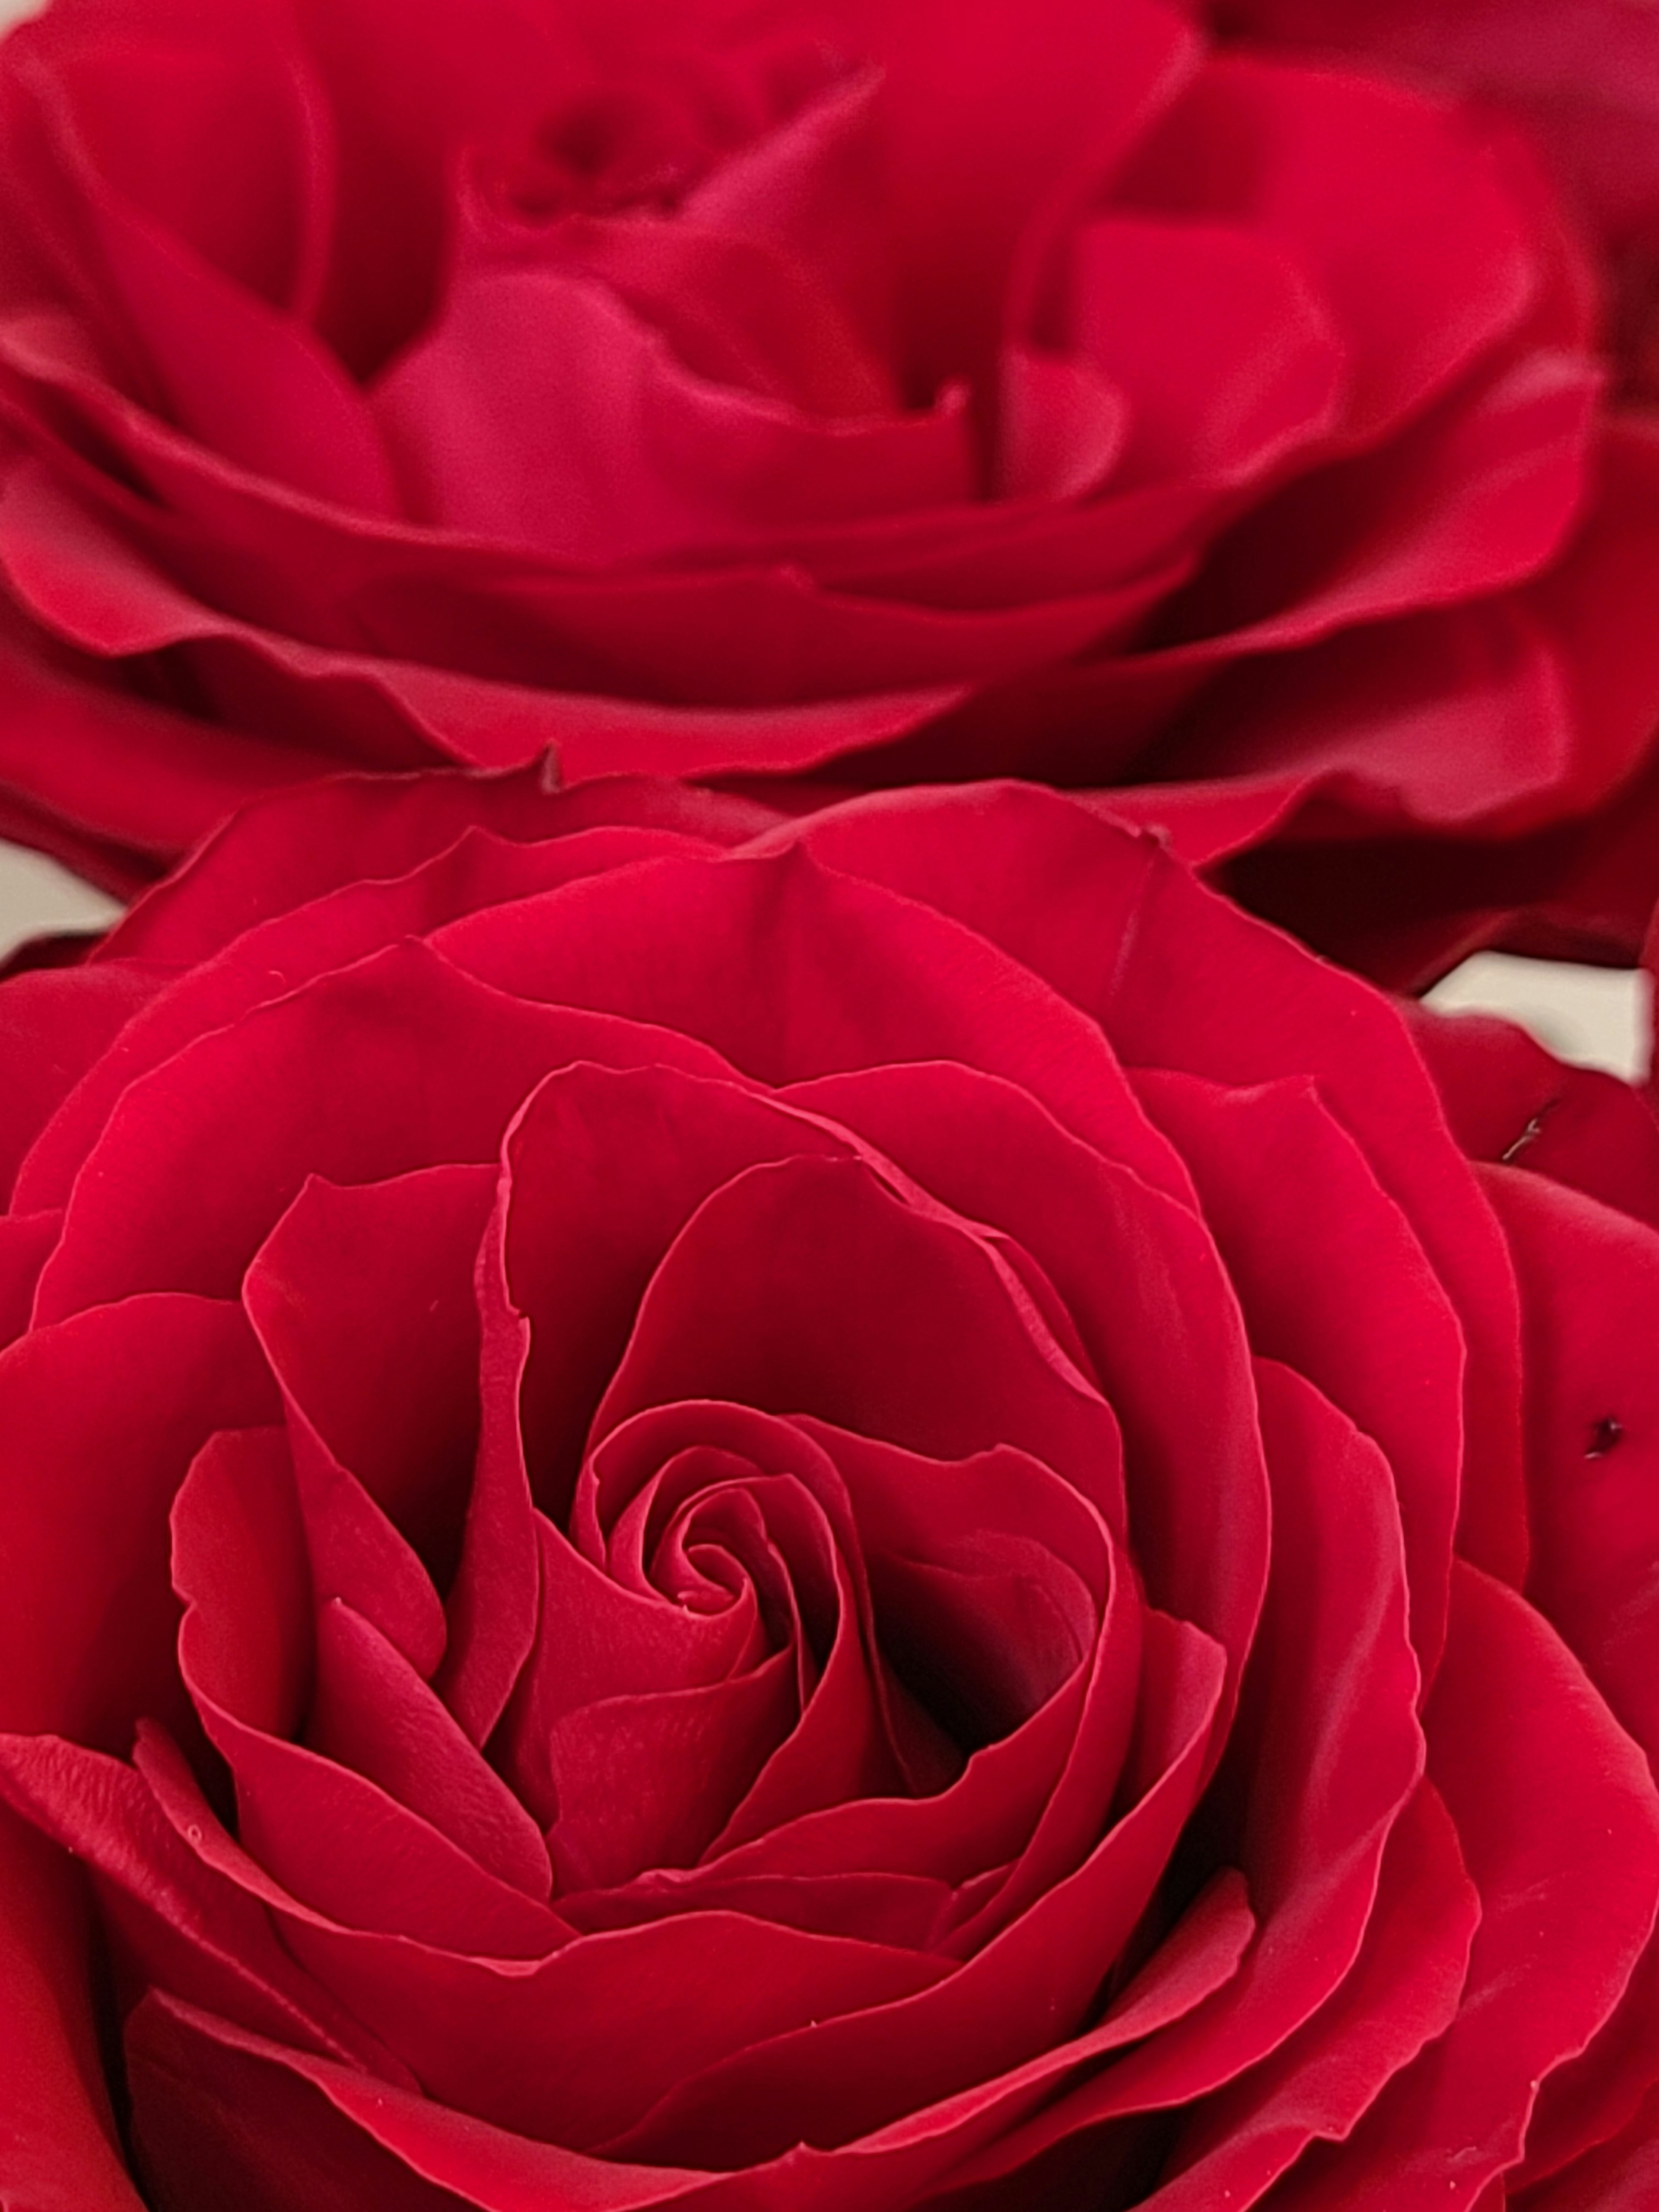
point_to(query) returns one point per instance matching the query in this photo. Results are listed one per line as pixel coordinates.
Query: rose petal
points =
(991, 1578)
(930, 1345)
(989, 146)
(237, 373)
(362, 1300)
(1510, 1101)
(1296, 151)
(1451, 720)
(240, 1571)
(112, 779)
(1161, 1333)
(508, 2174)
(355, 1552)
(1061, 428)
(809, 190)
(55, 1022)
(372, 1711)
(904, 1910)
(84, 582)
(1404, 1988)
(593, 1197)
(1590, 2106)
(86, 1642)
(374, 1030)
(540, 411)
(1149, 967)
(339, 1843)
(862, 980)
(574, 2047)
(1389, 1352)
(1330, 1774)
(1559, 1826)
(736, 310)
(183, 1925)
(26, 1243)
(158, 117)
(1480, 494)
(279, 954)
(1589, 602)
(1585, 1271)
(287, 850)
(781, 1516)
(649, 1780)
(836, 2078)
(238, 2119)
(1402, 1992)
(63, 2148)
(1229, 361)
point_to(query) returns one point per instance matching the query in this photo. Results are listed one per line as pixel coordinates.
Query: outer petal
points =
(1559, 1823)
(1589, 1279)
(89, 1631)
(381, 1018)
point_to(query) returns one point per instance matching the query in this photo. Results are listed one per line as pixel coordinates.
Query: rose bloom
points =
(835, 395)
(1581, 79)
(1582, 75)
(853, 1514)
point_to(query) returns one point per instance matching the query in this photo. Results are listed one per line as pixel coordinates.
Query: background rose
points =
(801, 1516)
(867, 395)
(1582, 75)
(1581, 78)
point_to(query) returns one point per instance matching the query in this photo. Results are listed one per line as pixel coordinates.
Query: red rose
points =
(1581, 75)
(1581, 79)
(853, 395)
(833, 1516)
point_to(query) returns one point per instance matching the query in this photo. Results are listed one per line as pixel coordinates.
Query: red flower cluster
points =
(805, 391)
(853, 1514)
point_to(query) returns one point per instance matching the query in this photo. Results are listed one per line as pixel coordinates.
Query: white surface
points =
(38, 897)
(1598, 1016)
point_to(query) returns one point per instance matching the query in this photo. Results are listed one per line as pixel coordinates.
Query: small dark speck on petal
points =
(1603, 1435)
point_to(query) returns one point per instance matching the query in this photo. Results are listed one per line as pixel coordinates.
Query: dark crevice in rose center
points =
(109, 2016)
(925, 1675)
(640, 147)
(605, 154)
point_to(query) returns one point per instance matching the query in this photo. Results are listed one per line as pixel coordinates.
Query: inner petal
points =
(647, 1782)
(370, 1711)
(809, 1287)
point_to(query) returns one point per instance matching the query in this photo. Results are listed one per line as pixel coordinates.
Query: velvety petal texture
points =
(833, 395)
(1578, 81)
(874, 1510)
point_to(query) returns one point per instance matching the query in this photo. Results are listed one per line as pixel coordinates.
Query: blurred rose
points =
(847, 1516)
(1581, 79)
(1581, 76)
(853, 395)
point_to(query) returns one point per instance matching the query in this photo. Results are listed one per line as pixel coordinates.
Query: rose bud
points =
(785, 1515)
